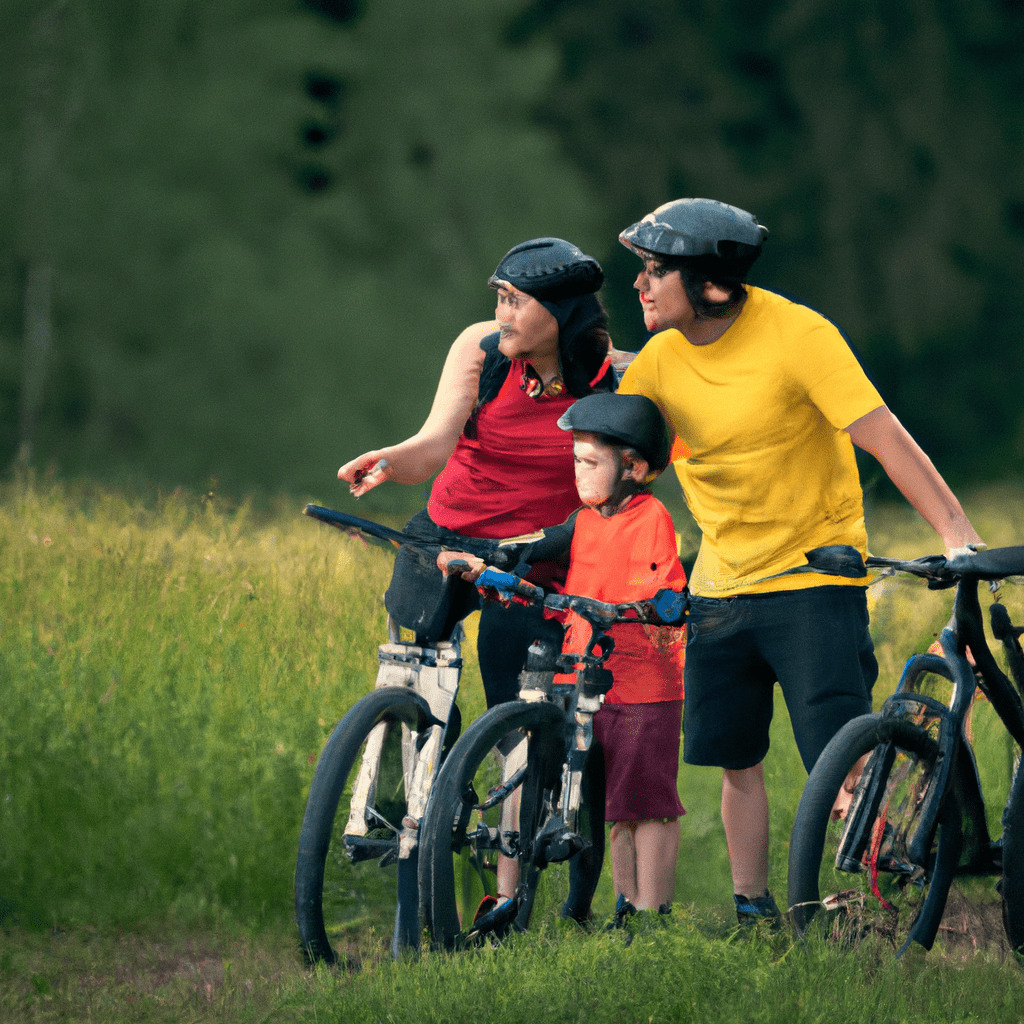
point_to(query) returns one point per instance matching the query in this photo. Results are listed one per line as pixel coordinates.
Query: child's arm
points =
(554, 545)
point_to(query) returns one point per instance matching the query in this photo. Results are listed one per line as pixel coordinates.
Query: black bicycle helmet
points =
(549, 269)
(563, 279)
(632, 420)
(686, 228)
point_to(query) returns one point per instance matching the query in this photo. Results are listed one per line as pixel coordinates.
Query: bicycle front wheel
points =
(859, 875)
(352, 891)
(492, 795)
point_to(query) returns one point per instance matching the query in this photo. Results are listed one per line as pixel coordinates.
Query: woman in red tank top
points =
(505, 467)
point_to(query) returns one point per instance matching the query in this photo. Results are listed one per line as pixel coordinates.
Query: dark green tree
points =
(214, 318)
(880, 141)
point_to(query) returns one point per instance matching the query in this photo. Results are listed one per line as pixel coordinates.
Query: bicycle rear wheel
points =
(512, 752)
(873, 875)
(1013, 866)
(352, 892)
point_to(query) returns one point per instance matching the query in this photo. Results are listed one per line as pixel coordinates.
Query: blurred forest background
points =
(241, 235)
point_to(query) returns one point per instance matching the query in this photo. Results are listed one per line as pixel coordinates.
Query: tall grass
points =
(171, 666)
(169, 674)
(675, 975)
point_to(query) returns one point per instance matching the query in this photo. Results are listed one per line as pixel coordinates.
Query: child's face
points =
(598, 469)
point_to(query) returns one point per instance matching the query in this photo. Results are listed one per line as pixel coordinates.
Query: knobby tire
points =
(461, 784)
(324, 911)
(1013, 866)
(907, 897)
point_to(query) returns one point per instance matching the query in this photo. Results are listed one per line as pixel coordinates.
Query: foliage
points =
(878, 141)
(689, 971)
(169, 676)
(244, 234)
(171, 666)
(678, 973)
(217, 310)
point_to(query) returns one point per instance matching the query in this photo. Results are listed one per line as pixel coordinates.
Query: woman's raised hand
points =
(365, 472)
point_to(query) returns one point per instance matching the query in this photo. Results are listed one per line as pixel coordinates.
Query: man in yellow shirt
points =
(767, 401)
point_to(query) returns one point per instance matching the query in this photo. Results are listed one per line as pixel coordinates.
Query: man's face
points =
(598, 469)
(663, 298)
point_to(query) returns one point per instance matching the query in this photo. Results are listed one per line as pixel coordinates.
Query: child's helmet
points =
(632, 420)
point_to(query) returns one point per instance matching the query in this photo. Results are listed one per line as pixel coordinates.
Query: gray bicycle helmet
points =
(632, 420)
(549, 269)
(698, 227)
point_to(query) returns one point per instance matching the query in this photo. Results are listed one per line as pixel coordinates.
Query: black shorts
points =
(814, 642)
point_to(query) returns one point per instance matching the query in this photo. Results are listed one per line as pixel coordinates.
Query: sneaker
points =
(750, 912)
(494, 918)
(487, 904)
(624, 910)
(647, 922)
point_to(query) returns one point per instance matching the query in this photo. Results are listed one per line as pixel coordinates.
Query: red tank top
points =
(515, 475)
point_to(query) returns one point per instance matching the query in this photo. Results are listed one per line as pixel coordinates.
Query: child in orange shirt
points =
(624, 549)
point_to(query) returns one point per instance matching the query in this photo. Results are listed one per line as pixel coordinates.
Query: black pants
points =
(420, 598)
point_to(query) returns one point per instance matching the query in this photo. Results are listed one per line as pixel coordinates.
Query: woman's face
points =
(598, 469)
(528, 330)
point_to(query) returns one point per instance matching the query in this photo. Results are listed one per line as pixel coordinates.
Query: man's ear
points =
(634, 468)
(716, 293)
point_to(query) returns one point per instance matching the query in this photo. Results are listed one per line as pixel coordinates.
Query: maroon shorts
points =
(641, 756)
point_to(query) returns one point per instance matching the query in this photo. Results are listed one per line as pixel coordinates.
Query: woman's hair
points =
(581, 356)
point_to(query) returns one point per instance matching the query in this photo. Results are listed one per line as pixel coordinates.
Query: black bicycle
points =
(524, 780)
(359, 843)
(893, 816)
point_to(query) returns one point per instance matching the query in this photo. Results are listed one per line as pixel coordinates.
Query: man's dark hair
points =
(695, 271)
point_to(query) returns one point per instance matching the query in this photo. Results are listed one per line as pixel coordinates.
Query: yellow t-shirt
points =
(771, 472)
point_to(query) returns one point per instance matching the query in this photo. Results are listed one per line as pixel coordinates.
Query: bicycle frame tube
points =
(993, 682)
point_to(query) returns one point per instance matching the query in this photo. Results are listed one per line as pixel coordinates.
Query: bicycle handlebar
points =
(481, 548)
(939, 571)
(666, 608)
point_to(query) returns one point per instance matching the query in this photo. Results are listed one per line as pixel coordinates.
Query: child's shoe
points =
(494, 918)
(624, 910)
(647, 922)
(750, 912)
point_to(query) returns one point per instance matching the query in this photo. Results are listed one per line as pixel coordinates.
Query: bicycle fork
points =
(433, 673)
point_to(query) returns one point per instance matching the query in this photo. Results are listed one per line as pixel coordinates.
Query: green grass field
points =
(171, 666)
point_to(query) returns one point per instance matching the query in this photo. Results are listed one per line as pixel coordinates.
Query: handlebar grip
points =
(509, 586)
(670, 606)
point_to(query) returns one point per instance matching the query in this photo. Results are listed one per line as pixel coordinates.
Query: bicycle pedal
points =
(360, 848)
(843, 899)
(557, 848)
